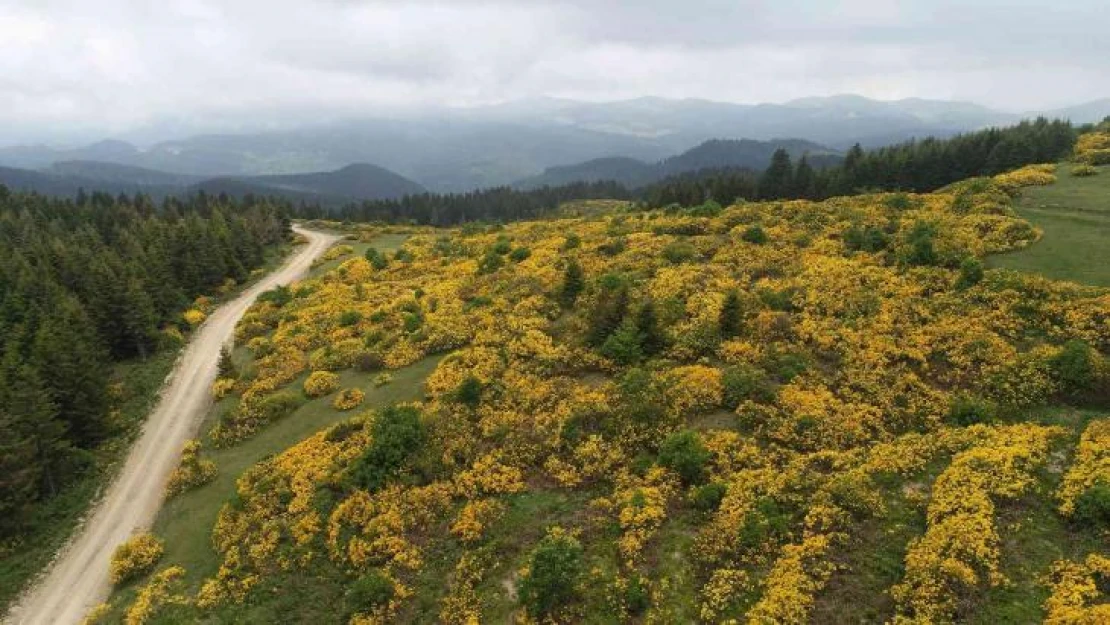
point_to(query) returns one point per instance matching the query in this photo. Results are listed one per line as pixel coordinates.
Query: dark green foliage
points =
(971, 273)
(573, 241)
(225, 367)
(652, 340)
(278, 296)
(519, 254)
(574, 280)
(778, 180)
(679, 252)
(640, 399)
(637, 599)
(490, 262)
(1092, 507)
(396, 434)
(969, 410)
(369, 361)
(624, 346)
(731, 318)
(755, 235)
(376, 259)
(370, 591)
(613, 246)
(785, 365)
(708, 498)
(767, 520)
(349, 318)
(84, 285)
(920, 240)
(684, 453)
(1074, 368)
(609, 310)
(746, 382)
(554, 575)
(502, 246)
(402, 255)
(469, 392)
(865, 239)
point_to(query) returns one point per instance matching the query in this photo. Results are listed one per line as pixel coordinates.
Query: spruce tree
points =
(573, 282)
(731, 317)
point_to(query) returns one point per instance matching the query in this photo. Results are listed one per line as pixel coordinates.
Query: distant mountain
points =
(459, 149)
(360, 181)
(352, 183)
(713, 154)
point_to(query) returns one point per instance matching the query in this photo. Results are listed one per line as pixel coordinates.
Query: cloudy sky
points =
(77, 68)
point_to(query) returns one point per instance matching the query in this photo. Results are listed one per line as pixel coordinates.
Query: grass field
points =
(1074, 214)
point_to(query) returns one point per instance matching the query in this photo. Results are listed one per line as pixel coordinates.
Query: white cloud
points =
(71, 67)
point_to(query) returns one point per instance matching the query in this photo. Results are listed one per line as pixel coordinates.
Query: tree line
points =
(917, 166)
(88, 282)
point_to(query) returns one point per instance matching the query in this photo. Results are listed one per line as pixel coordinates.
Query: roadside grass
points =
(1074, 214)
(185, 522)
(381, 242)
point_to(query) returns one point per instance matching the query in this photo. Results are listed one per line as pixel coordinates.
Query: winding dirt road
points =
(78, 579)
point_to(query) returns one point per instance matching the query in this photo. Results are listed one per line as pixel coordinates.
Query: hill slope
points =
(713, 154)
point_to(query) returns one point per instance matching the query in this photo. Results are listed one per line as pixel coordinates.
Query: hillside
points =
(713, 154)
(352, 183)
(788, 411)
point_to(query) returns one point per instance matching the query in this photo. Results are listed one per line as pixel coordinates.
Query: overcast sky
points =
(105, 67)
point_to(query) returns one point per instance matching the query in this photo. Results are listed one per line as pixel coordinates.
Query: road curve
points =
(78, 578)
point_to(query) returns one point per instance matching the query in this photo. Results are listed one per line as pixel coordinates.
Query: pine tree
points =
(225, 365)
(805, 182)
(731, 318)
(777, 180)
(573, 282)
(651, 335)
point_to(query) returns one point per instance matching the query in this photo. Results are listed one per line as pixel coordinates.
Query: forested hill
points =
(87, 283)
(715, 153)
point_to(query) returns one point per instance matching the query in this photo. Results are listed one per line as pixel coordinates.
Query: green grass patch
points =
(388, 243)
(185, 522)
(1074, 214)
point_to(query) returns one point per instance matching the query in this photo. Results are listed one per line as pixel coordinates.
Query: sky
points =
(74, 68)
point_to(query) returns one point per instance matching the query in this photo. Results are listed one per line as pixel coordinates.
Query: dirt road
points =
(78, 579)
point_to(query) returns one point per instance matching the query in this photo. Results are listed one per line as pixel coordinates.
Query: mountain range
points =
(459, 149)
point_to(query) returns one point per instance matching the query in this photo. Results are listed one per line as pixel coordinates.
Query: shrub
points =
(708, 498)
(349, 318)
(502, 247)
(469, 392)
(755, 235)
(969, 410)
(971, 273)
(744, 382)
(348, 399)
(684, 453)
(624, 346)
(554, 572)
(134, 557)
(376, 259)
(574, 281)
(637, 599)
(1082, 171)
(194, 317)
(866, 239)
(572, 241)
(396, 434)
(1092, 507)
(368, 592)
(678, 252)
(920, 249)
(520, 254)
(369, 361)
(1074, 367)
(383, 378)
(321, 383)
(613, 247)
(490, 263)
(192, 472)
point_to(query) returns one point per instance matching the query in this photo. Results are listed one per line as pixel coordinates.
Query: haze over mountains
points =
(538, 141)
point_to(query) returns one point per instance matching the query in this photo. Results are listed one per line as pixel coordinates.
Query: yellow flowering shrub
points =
(1091, 466)
(193, 470)
(320, 383)
(1076, 587)
(194, 317)
(134, 557)
(156, 594)
(348, 399)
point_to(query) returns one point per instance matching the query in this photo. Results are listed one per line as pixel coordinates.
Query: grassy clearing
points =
(1074, 214)
(382, 242)
(185, 522)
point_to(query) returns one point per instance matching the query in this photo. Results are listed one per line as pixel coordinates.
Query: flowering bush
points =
(134, 557)
(320, 383)
(348, 399)
(194, 317)
(193, 470)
